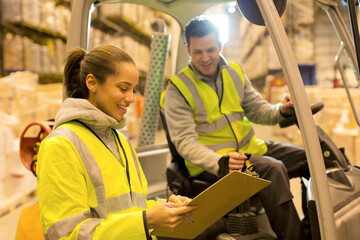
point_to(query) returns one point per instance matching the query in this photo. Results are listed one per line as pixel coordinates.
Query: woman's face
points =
(114, 96)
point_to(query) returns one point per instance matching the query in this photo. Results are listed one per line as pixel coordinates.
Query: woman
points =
(90, 182)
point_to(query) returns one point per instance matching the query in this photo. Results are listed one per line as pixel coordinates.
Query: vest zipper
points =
(227, 119)
(117, 137)
(126, 160)
(236, 139)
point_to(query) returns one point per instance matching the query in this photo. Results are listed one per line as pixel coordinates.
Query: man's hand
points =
(236, 161)
(286, 105)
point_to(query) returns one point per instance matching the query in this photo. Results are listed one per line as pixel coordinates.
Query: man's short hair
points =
(199, 27)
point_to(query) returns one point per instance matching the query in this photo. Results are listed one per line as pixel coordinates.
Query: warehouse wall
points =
(326, 46)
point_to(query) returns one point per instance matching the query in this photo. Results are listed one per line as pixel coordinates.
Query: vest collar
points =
(222, 64)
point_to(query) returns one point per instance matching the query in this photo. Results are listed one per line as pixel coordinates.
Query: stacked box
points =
(6, 140)
(51, 51)
(273, 62)
(18, 180)
(111, 9)
(95, 38)
(114, 40)
(13, 54)
(47, 20)
(31, 55)
(7, 91)
(25, 105)
(20, 99)
(12, 121)
(347, 139)
(35, 56)
(250, 34)
(145, 60)
(60, 55)
(49, 100)
(304, 47)
(128, 11)
(24, 99)
(300, 12)
(141, 12)
(107, 39)
(146, 18)
(135, 51)
(21, 79)
(128, 45)
(62, 19)
(21, 10)
(335, 103)
(11, 10)
(48, 58)
(31, 12)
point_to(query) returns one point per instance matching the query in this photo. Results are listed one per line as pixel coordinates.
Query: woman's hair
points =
(101, 62)
(199, 27)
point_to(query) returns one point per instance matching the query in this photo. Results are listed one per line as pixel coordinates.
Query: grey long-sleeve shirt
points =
(181, 124)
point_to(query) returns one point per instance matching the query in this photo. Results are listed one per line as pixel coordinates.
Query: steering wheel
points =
(30, 141)
(291, 120)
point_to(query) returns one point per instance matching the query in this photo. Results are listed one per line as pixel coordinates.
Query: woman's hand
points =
(162, 216)
(178, 200)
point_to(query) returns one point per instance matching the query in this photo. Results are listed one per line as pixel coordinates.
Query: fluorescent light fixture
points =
(231, 9)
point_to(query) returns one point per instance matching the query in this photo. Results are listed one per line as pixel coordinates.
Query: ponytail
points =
(75, 86)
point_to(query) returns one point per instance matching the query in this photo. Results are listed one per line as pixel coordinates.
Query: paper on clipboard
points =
(216, 201)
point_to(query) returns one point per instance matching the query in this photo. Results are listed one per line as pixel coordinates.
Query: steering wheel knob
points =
(291, 120)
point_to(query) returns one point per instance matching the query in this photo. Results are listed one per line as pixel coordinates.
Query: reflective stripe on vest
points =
(220, 123)
(232, 145)
(65, 226)
(73, 131)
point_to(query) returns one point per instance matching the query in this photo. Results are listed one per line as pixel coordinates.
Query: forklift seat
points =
(177, 175)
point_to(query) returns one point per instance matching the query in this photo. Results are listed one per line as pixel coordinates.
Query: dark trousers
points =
(281, 162)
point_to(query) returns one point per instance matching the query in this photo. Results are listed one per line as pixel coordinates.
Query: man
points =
(208, 108)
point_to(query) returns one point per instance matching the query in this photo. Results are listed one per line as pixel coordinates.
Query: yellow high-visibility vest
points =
(85, 191)
(221, 126)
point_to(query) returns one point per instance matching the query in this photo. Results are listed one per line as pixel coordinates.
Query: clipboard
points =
(214, 202)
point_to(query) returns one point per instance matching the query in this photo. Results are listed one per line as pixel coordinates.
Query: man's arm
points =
(257, 109)
(180, 121)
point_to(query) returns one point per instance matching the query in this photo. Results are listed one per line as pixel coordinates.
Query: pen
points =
(169, 206)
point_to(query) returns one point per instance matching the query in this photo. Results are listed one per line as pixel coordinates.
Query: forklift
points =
(334, 187)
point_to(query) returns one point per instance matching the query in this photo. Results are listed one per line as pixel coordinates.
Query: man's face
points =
(204, 52)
